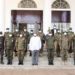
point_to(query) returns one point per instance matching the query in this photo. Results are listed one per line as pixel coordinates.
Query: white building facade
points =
(7, 6)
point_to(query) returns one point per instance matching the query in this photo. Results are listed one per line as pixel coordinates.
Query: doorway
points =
(29, 19)
(22, 26)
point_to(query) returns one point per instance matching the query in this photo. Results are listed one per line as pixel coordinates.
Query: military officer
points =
(42, 37)
(50, 48)
(1, 47)
(74, 49)
(16, 34)
(6, 34)
(9, 45)
(64, 46)
(21, 47)
(58, 43)
(70, 40)
(26, 35)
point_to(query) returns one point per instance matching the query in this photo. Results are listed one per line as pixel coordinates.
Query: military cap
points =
(70, 28)
(7, 28)
(31, 30)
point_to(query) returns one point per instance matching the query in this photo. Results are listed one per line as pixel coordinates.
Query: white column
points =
(73, 16)
(47, 16)
(2, 15)
(8, 19)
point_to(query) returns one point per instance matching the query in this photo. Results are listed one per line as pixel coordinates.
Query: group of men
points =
(15, 44)
(60, 44)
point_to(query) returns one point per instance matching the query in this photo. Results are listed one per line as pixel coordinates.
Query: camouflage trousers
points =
(74, 57)
(1, 55)
(64, 55)
(21, 56)
(9, 55)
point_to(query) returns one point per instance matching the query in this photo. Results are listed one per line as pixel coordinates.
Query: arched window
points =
(60, 4)
(61, 19)
(27, 4)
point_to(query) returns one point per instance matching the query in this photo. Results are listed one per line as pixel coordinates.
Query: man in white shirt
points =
(35, 46)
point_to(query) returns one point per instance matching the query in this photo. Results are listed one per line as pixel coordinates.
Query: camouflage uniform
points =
(16, 35)
(58, 43)
(9, 45)
(26, 35)
(21, 47)
(1, 48)
(74, 49)
(64, 47)
(70, 40)
(50, 48)
(6, 35)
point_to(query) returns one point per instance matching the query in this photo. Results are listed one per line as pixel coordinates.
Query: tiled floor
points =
(59, 67)
(37, 71)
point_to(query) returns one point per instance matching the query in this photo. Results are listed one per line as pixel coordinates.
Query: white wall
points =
(13, 5)
(2, 15)
(72, 4)
(45, 5)
(47, 16)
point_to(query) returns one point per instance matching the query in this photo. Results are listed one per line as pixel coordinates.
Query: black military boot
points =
(50, 63)
(11, 62)
(30, 53)
(20, 63)
(8, 63)
(74, 62)
(2, 60)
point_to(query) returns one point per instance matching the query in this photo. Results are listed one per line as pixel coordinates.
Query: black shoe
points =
(20, 63)
(50, 63)
(9, 63)
(2, 62)
(30, 54)
(33, 64)
(36, 64)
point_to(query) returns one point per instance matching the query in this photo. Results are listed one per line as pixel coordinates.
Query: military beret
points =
(70, 28)
(31, 30)
(7, 28)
